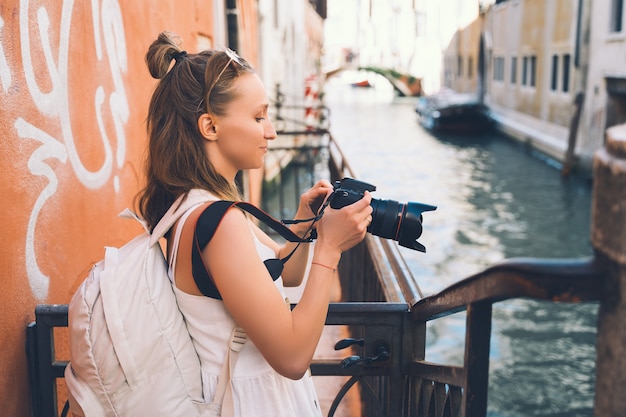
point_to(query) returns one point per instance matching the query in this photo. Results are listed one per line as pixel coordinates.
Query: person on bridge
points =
(207, 120)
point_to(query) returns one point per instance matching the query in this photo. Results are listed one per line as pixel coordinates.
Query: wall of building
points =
(532, 75)
(504, 35)
(74, 91)
(533, 29)
(461, 58)
(291, 34)
(607, 59)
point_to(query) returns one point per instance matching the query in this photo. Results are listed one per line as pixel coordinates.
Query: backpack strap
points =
(180, 206)
(238, 337)
(175, 243)
(223, 395)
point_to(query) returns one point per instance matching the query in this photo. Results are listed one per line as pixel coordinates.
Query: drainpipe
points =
(581, 58)
(232, 24)
(608, 236)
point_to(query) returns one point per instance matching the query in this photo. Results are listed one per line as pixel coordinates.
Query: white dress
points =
(257, 389)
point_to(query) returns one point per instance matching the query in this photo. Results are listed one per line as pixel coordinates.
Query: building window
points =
(566, 67)
(498, 68)
(470, 66)
(513, 69)
(617, 14)
(529, 70)
(459, 65)
(554, 83)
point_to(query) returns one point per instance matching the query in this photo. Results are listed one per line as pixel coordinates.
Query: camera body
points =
(390, 219)
(348, 191)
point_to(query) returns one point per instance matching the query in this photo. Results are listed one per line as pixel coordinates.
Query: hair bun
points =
(161, 53)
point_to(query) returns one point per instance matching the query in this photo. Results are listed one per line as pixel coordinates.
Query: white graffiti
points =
(5, 73)
(50, 148)
(54, 103)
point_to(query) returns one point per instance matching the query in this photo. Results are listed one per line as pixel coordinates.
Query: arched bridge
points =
(404, 84)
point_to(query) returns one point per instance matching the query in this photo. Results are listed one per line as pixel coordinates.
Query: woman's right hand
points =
(341, 229)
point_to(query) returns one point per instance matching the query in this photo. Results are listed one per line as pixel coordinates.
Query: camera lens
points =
(386, 217)
(397, 221)
(390, 219)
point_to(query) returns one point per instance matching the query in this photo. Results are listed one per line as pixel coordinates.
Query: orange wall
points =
(74, 91)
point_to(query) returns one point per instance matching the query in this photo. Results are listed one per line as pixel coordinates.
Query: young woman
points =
(208, 119)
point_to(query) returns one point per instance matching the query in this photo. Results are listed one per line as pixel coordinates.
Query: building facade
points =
(605, 87)
(551, 71)
(74, 93)
(525, 59)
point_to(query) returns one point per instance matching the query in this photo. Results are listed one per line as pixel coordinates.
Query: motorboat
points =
(448, 111)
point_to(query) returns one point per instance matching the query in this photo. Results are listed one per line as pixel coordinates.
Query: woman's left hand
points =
(312, 199)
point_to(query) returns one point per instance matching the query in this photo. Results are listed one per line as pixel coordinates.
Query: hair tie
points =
(179, 55)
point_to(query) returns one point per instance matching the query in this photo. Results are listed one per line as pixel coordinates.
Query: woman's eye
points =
(260, 119)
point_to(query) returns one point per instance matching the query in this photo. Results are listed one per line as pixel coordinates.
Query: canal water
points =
(495, 199)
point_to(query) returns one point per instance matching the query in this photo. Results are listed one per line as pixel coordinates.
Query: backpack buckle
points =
(237, 339)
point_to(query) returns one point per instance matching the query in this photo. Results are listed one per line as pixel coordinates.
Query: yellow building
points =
(526, 59)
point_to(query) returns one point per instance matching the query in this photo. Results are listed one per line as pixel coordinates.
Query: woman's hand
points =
(310, 202)
(312, 199)
(339, 230)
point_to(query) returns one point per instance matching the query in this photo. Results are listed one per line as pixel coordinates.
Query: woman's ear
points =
(206, 125)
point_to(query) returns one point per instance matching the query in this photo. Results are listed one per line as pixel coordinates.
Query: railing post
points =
(477, 342)
(608, 235)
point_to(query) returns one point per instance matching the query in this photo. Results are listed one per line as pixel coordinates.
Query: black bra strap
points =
(205, 228)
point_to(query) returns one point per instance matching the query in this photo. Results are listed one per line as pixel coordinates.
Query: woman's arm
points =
(293, 273)
(294, 269)
(287, 339)
(296, 266)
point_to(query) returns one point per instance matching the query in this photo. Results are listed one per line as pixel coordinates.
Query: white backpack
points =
(130, 351)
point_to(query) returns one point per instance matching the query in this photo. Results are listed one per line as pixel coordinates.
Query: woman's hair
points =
(177, 161)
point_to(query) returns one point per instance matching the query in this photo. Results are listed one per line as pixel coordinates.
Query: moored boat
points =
(362, 84)
(453, 112)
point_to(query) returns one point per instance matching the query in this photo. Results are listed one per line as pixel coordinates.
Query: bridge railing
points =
(387, 317)
(374, 274)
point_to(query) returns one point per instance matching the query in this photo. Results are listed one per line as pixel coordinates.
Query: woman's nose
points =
(269, 132)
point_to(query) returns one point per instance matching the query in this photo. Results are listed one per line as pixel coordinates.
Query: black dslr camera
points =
(390, 219)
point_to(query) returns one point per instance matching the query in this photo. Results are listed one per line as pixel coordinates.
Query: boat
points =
(448, 111)
(362, 84)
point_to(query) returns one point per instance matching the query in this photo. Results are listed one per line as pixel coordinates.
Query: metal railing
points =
(387, 317)
(384, 307)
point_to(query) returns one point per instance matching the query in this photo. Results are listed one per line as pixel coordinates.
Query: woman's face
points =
(243, 132)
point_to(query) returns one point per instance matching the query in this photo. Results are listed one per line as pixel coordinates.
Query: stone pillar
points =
(608, 236)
